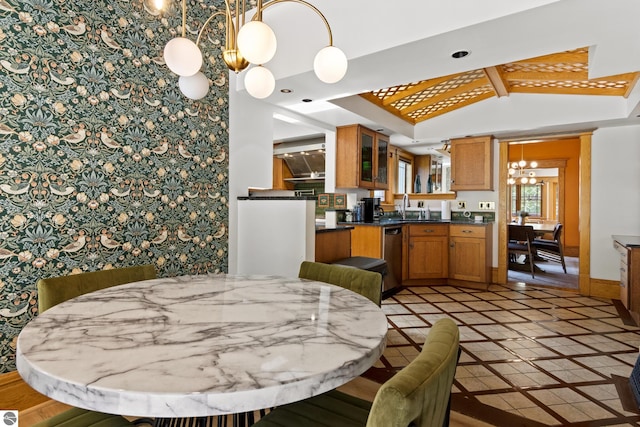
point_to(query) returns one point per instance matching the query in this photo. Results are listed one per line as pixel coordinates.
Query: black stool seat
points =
(365, 263)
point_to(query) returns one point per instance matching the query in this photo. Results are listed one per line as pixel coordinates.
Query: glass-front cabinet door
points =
(367, 159)
(382, 169)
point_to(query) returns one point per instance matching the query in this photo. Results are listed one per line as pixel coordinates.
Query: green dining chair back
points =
(419, 395)
(54, 290)
(366, 283)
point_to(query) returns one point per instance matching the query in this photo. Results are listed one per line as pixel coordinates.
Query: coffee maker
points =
(371, 209)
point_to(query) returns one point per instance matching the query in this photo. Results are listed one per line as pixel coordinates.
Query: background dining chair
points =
(54, 290)
(520, 242)
(419, 395)
(366, 283)
(551, 249)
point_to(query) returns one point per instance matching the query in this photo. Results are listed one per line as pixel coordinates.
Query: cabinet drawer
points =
(458, 230)
(428, 230)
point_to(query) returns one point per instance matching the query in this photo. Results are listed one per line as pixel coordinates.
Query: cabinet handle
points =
(427, 230)
(452, 245)
(467, 231)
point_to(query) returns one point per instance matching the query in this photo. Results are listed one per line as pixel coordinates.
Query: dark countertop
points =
(628, 241)
(323, 229)
(396, 222)
(277, 197)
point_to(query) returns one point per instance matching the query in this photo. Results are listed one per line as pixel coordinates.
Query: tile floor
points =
(531, 356)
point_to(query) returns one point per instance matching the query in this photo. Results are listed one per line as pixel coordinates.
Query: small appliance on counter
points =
(371, 209)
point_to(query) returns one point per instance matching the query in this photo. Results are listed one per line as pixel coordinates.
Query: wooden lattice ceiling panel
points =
(561, 73)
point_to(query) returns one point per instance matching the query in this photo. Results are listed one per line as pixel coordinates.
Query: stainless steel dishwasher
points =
(392, 250)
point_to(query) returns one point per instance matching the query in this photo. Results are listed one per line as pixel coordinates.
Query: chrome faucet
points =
(405, 205)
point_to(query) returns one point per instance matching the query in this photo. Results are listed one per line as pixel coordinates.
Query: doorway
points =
(579, 250)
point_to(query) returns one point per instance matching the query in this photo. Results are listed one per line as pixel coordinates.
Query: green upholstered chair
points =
(76, 417)
(364, 282)
(54, 290)
(419, 395)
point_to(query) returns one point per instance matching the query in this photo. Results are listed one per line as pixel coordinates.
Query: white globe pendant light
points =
(194, 87)
(330, 64)
(257, 42)
(259, 82)
(182, 56)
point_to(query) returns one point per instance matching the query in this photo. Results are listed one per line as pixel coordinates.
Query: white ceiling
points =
(394, 42)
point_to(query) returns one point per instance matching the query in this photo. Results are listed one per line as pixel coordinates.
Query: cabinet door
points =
(428, 257)
(382, 162)
(467, 259)
(472, 163)
(367, 157)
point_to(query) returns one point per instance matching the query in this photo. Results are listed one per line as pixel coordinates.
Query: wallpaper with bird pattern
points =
(103, 162)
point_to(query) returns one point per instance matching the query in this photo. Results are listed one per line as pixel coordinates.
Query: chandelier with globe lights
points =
(518, 173)
(246, 43)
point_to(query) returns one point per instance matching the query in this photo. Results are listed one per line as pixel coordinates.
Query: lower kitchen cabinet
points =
(366, 240)
(333, 245)
(470, 250)
(629, 249)
(428, 252)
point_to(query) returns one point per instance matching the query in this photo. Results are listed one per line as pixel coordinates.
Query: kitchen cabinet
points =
(366, 240)
(470, 252)
(472, 163)
(333, 244)
(280, 173)
(629, 249)
(428, 251)
(362, 158)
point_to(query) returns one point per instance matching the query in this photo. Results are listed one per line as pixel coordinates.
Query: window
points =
(528, 198)
(404, 176)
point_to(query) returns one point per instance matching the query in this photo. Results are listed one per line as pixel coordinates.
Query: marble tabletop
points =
(200, 345)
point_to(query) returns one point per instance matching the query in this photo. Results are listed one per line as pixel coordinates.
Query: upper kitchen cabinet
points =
(361, 158)
(281, 175)
(472, 163)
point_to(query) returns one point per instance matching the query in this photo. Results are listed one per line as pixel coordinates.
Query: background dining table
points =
(200, 345)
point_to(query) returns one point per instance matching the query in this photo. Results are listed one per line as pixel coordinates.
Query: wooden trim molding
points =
(584, 214)
(604, 288)
(584, 279)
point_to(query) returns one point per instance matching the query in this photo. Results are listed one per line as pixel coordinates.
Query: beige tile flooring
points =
(531, 356)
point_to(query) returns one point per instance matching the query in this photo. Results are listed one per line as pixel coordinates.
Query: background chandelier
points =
(246, 43)
(517, 172)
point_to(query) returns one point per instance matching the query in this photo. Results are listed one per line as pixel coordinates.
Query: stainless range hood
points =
(304, 158)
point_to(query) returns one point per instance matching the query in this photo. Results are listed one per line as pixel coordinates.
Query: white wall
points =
(615, 195)
(250, 154)
(275, 236)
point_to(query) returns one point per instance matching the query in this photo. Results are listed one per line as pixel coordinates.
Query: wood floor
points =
(551, 276)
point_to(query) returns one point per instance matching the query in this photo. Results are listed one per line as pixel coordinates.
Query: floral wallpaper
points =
(103, 162)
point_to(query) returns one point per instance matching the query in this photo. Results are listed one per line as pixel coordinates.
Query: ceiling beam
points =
(547, 75)
(497, 82)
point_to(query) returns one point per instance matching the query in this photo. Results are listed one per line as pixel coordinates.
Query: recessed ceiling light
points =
(286, 90)
(460, 54)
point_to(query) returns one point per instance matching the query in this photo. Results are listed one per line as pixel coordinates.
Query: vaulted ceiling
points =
(564, 73)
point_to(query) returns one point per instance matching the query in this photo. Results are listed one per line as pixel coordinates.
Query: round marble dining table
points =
(201, 345)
